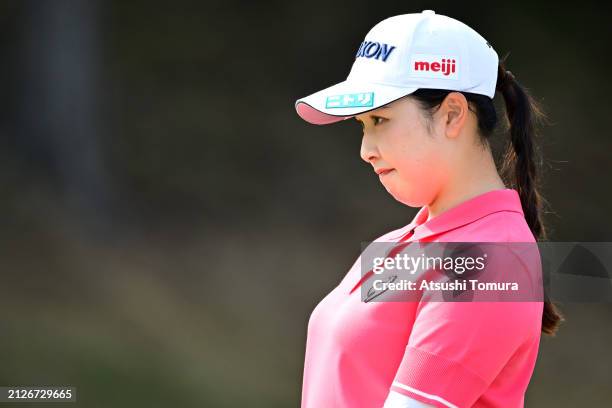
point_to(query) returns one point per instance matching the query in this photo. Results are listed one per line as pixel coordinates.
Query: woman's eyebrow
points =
(373, 113)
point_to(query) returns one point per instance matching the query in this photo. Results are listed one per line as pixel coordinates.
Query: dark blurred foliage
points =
(170, 222)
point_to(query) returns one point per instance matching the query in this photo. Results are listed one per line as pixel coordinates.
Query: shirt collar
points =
(464, 213)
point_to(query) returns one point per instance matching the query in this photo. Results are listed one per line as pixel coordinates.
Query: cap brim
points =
(345, 100)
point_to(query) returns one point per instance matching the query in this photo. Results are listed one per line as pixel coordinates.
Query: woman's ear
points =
(454, 111)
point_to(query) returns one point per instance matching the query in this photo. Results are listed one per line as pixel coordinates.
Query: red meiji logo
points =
(434, 66)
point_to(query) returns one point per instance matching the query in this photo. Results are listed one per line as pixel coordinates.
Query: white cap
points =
(400, 55)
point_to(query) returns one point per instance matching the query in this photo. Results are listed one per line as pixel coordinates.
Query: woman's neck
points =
(474, 178)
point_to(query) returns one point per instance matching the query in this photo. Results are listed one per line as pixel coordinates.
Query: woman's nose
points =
(368, 151)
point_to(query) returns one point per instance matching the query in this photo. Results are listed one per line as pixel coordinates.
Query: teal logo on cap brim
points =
(353, 100)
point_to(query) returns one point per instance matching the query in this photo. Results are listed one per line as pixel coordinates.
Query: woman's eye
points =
(376, 120)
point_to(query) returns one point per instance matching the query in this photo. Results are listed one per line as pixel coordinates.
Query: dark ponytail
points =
(520, 166)
(520, 163)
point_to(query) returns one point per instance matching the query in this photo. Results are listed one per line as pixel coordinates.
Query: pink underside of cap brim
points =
(310, 114)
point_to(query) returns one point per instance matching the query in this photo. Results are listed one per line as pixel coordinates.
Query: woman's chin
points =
(404, 197)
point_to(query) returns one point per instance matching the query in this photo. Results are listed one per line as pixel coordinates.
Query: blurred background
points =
(169, 222)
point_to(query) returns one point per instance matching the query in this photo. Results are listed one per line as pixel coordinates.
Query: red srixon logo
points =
(434, 66)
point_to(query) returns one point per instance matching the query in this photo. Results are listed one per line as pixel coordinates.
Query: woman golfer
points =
(422, 86)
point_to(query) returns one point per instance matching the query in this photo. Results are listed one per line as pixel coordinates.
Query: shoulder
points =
(501, 226)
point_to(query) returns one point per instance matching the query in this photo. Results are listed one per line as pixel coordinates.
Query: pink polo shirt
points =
(447, 354)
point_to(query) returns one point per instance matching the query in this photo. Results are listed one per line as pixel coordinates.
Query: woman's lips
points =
(382, 172)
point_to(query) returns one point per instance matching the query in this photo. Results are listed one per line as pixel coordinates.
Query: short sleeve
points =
(456, 349)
